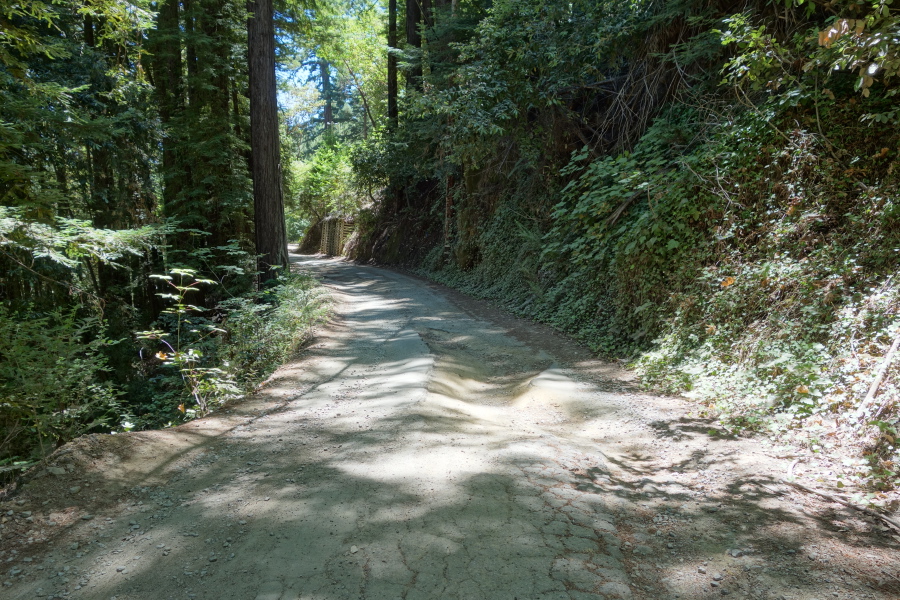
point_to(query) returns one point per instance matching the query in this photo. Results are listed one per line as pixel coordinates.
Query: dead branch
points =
(879, 377)
(362, 95)
(611, 220)
(831, 498)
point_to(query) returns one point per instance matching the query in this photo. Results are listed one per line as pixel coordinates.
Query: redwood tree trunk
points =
(414, 38)
(392, 65)
(325, 73)
(265, 148)
(165, 45)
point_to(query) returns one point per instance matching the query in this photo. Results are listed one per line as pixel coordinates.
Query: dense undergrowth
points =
(125, 175)
(733, 232)
(193, 360)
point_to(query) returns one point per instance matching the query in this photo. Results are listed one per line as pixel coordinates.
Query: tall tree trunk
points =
(89, 30)
(413, 17)
(414, 39)
(418, 15)
(392, 64)
(427, 13)
(165, 45)
(190, 50)
(325, 74)
(265, 148)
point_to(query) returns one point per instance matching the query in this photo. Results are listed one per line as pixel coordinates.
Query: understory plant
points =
(53, 381)
(264, 329)
(183, 345)
(205, 357)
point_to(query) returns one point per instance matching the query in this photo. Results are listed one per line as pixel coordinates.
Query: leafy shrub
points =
(266, 328)
(183, 344)
(52, 381)
(199, 360)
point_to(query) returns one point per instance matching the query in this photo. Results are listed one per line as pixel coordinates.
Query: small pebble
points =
(701, 570)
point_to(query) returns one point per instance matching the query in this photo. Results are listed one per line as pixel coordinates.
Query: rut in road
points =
(419, 451)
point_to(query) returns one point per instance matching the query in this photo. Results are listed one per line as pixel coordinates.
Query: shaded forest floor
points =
(428, 445)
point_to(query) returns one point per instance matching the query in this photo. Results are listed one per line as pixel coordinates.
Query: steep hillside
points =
(708, 193)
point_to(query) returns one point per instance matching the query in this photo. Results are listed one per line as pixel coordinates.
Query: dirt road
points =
(429, 447)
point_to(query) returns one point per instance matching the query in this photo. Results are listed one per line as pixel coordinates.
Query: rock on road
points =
(419, 449)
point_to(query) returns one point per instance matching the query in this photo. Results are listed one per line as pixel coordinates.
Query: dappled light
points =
(408, 457)
(449, 299)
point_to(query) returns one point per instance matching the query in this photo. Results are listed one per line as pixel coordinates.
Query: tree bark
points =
(392, 65)
(89, 30)
(265, 148)
(190, 50)
(325, 74)
(165, 44)
(414, 39)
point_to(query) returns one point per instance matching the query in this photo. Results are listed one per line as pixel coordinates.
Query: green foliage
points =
(266, 328)
(62, 348)
(522, 58)
(68, 242)
(322, 185)
(861, 38)
(195, 361)
(124, 152)
(296, 225)
(207, 386)
(708, 195)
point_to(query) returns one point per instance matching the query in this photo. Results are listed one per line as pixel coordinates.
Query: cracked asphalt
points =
(419, 449)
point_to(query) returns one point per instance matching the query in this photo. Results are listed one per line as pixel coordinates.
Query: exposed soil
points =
(428, 445)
